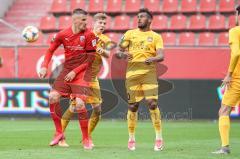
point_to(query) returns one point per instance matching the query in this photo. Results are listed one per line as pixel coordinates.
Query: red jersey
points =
(76, 46)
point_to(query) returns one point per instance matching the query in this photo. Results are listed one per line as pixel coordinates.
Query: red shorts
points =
(79, 87)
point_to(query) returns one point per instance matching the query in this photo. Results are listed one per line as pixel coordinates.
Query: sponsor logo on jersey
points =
(150, 39)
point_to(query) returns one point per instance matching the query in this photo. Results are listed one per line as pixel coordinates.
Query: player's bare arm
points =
(158, 58)
(235, 54)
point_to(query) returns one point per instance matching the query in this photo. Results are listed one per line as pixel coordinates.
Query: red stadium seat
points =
(223, 38)
(135, 22)
(115, 37)
(109, 23)
(59, 6)
(187, 38)
(65, 22)
(152, 5)
(188, 6)
(159, 22)
(178, 22)
(132, 6)
(207, 6)
(121, 22)
(170, 6)
(217, 22)
(206, 38)
(77, 4)
(169, 38)
(232, 21)
(95, 6)
(114, 6)
(226, 5)
(197, 22)
(48, 23)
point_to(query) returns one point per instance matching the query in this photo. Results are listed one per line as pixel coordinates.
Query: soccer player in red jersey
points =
(79, 45)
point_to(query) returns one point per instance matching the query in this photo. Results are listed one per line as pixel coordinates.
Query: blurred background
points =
(195, 35)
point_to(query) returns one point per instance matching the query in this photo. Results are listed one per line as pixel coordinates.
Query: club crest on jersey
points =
(94, 42)
(149, 39)
(82, 38)
(53, 38)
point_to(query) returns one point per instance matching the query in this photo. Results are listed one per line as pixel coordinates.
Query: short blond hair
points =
(100, 16)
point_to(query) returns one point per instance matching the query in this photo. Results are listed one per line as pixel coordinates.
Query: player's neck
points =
(76, 30)
(97, 32)
(144, 29)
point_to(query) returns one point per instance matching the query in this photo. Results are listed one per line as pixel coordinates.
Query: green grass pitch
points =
(28, 139)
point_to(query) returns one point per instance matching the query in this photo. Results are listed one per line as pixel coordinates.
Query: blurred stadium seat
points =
(160, 22)
(217, 22)
(169, 38)
(206, 39)
(223, 38)
(59, 6)
(114, 6)
(170, 6)
(95, 6)
(197, 22)
(77, 4)
(178, 22)
(64, 22)
(226, 5)
(152, 5)
(132, 6)
(48, 23)
(121, 22)
(187, 39)
(188, 6)
(207, 6)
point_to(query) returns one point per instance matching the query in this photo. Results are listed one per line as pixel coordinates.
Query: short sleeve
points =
(125, 40)
(158, 42)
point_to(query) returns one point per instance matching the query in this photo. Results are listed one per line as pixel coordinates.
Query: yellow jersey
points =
(101, 42)
(234, 42)
(141, 45)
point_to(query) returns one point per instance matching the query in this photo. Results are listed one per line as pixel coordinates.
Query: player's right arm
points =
(55, 43)
(122, 51)
(234, 42)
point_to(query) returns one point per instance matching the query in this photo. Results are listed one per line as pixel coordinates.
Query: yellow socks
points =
(156, 120)
(95, 117)
(132, 122)
(224, 128)
(67, 116)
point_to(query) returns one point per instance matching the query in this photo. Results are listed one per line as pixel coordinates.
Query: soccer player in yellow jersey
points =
(231, 83)
(143, 48)
(95, 95)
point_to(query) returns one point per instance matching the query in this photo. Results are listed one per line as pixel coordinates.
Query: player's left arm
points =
(90, 47)
(234, 42)
(159, 51)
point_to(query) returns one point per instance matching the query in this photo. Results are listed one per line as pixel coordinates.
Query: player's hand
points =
(43, 72)
(70, 76)
(100, 50)
(150, 60)
(226, 82)
(124, 55)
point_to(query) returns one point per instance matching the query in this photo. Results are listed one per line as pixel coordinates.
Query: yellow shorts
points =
(142, 86)
(95, 94)
(232, 95)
